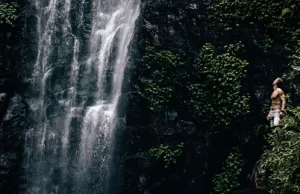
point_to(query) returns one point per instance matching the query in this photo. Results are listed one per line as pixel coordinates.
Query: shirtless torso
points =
(278, 102)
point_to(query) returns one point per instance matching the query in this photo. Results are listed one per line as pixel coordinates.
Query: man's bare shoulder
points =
(279, 91)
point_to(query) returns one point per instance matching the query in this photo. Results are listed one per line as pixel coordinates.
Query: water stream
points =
(76, 83)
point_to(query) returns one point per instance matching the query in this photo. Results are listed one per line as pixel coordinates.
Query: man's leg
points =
(277, 128)
(276, 120)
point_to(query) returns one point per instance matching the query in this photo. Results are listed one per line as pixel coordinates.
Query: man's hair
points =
(279, 82)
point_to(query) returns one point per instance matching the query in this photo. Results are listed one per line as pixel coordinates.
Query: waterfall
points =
(76, 82)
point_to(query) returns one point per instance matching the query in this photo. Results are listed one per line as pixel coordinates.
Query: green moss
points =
(164, 73)
(8, 13)
(166, 154)
(227, 181)
(217, 98)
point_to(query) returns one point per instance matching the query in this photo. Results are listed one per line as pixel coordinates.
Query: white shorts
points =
(275, 118)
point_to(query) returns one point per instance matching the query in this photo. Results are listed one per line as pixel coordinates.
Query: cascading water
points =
(77, 78)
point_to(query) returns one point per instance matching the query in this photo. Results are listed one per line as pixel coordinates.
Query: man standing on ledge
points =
(278, 102)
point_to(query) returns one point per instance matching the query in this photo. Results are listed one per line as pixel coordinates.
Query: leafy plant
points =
(290, 9)
(164, 71)
(227, 180)
(218, 93)
(8, 13)
(231, 14)
(167, 154)
(278, 170)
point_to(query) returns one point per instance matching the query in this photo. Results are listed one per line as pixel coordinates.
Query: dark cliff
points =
(181, 27)
(12, 105)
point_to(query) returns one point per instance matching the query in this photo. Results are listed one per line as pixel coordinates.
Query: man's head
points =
(277, 82)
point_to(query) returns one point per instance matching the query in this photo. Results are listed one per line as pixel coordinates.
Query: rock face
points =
(176, 25)
(11, 148)
(182, 27)
(144, 174)
(12, 110)
(14, 51)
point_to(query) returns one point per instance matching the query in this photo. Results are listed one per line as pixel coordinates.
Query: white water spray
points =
(76, 86)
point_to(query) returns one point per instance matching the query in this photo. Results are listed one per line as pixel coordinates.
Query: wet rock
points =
(144, 173)
(11, 147)
(180, 129)
(3, 104)
(250, 191)
(187, 127)
(2, 97)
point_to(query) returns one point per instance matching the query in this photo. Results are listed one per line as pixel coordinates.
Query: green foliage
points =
(167, 154)
(292, 120)
(8, 13)
(277, 21)
(290, 10)
(227, 180)
(217, 98)
(271, 15)
(164, 70)
(294, 75)
(215, 94)
(279, 167)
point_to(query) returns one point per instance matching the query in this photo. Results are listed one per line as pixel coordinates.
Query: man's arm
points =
(282, 98)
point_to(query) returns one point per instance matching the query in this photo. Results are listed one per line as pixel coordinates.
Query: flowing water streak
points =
(70, 102)
(36, 136)
(122, 59)
(72, 92)
(52, 163)
(109, 29)
(104, 29)
(81, 13)
(71, 95)
(42, 69)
